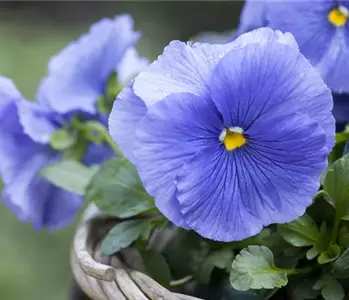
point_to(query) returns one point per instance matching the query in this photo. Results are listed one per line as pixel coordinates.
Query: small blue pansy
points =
(321, 29)
(228, 138)
(78, 75)
(30, 197)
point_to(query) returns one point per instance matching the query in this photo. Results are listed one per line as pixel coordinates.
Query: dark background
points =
(35, 265)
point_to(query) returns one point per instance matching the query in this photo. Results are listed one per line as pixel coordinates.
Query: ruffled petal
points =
(79, 73)
(264, 77)
(170, 133)
(37, 121)
(182, 68)
(128, 110)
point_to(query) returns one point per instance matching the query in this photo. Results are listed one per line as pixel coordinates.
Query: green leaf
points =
(69, 175)
(341, 265)
(117, 190)
(332, 290)
(336, 185)
(329, 255)
(123, 235)
(221, 259)
(156, 266)
(343, 237)
(253, 268)
(62, 139)
(301, 232)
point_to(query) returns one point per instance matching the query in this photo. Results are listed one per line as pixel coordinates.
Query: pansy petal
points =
(307, 21)
(334, 65)
(249, 82)
(182, 68)
(130, 65)
(229, 196)
(37, 122)
(78, 75)
(288, 157)
(253, 16)
(210, 198)
(128, 110)
(170, 133)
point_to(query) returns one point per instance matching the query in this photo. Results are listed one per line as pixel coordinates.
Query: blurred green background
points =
(35, 265)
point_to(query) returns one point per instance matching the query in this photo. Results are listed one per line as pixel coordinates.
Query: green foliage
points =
(221, 259)
(330, 288)
(341, 265)
(118, 191)
(124, 234)
(331, 254)
(62, 139)
(336, 185)
(156, 266)
(254, 268)
(69, 175)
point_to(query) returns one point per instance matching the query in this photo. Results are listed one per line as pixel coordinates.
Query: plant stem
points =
(297, 271)
(181, 281)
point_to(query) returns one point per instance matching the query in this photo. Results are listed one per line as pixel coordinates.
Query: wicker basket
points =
(119, 277)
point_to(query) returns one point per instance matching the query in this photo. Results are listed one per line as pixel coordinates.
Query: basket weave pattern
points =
(118, 277)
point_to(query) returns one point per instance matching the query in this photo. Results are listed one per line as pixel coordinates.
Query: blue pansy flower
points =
(321, 29)
(30, 197)
(228, 138)
(253, 16)
(78, 75)
(341, 110)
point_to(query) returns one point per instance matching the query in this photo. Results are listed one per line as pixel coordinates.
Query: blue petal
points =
(211, 198)
(170, 133)
(256, 79)
(182, 68)
(128, 110)
(130, 65)
(325, 45)
(79, 73)
(97, 154)
(253, 16)
(229, 196)
(37, 121)
(29, 196)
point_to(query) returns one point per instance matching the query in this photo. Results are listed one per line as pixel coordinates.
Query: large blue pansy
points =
(30, 197)
(228, 138)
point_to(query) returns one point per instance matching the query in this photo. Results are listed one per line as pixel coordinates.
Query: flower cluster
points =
(73, 91)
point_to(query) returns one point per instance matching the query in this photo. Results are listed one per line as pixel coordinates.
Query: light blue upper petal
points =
(128, 110)
(79, 73)
(262, 77)
(170, 133)
(182, 68)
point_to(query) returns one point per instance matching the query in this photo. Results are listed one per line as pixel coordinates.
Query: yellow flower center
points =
(232, 138)
(338, 16)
